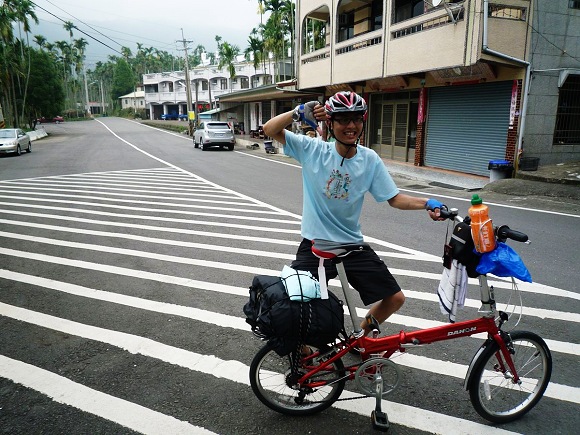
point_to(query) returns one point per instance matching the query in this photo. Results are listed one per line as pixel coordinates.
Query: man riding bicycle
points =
(336, 176)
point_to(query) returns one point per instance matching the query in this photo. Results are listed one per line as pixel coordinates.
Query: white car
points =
(14, 140)
(214, 133)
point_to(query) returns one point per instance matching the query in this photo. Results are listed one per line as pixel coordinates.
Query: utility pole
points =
(187, 82)
(88, 106)
(103, 113)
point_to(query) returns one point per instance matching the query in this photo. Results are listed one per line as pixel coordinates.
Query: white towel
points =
(300, 284)
(322, 279)
(452, 289)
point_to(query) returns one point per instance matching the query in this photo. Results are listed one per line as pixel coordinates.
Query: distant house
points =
(166, 92)
(134, 100)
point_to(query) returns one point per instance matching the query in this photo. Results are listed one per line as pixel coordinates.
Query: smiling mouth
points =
(350, 135)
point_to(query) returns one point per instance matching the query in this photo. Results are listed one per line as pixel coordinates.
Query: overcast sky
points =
(154, 23)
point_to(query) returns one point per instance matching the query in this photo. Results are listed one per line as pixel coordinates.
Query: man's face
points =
(347, 127)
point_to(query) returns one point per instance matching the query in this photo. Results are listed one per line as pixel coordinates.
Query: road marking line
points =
(222, 319)
(525, 287)
(156, 229)
(122, 412)
(157, 218)
(222, 369)
(43, 196)
(147, 210)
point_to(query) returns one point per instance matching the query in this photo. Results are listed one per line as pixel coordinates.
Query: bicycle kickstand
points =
(379, 418)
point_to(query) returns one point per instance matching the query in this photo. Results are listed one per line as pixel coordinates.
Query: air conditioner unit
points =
(234, 80)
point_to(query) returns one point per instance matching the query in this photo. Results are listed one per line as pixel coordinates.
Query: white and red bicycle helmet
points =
(345, 102)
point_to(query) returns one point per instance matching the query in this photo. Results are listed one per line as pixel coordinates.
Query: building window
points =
(507, 12)
(345, 26)
(574, 4)
(126, 101)
(314, 34)
(376, 15)
(204, 85)
(244, 83)
(223, 84)
(567, 129)
(406, 9)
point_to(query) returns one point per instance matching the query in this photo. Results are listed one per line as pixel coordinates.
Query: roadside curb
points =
(37, 134)
(537, 187)
(560, 173)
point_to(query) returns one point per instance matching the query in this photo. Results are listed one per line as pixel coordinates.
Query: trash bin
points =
(269, 147)
(500, 169)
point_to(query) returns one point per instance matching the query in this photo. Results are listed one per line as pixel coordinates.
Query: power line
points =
(76, 28)
(78, 19)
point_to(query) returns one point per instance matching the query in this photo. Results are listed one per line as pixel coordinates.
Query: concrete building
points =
(451, 84)
(134, 100)
(166, 92)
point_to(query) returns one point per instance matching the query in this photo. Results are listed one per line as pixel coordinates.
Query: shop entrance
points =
(393, 125)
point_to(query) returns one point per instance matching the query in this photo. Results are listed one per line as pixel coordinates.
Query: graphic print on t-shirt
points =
(337, 185)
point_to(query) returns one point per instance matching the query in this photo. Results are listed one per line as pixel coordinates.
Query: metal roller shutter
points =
(467, 126)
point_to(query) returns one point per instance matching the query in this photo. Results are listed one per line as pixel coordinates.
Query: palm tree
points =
(40, 41)
(261, 10)
(255, 49)
(18, 12)
(79, 57)
(273, 31)
(65, 57)
(228, 54)
(197, 52)
(69, 26)
(79, 53)
(126, 52)
(288, 12)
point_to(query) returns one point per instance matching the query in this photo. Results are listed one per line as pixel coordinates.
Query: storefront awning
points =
(266, 93)
(211, 112)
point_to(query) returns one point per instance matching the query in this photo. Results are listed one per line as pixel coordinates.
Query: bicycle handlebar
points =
(502, 232)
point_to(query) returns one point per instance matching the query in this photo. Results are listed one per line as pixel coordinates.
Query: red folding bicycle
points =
(506, 377)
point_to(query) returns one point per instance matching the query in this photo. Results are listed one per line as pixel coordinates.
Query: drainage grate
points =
(417, 186)
(446, 186)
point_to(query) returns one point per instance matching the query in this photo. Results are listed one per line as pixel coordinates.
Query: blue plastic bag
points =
(503, 261)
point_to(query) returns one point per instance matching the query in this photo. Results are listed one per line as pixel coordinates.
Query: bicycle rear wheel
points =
(272, 382)
(493, 394)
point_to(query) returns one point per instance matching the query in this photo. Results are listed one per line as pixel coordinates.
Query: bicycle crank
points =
(378, 370)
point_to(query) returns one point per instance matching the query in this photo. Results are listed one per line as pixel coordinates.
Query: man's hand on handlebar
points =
(434, 208)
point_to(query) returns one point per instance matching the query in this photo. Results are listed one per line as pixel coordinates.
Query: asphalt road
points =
(126, 257)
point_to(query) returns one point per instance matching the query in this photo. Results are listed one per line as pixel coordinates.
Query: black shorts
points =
(366, 272)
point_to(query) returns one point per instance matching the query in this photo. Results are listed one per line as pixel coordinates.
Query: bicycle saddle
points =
(328, 249)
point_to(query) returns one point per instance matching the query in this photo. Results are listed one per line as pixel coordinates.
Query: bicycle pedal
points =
(372, 323)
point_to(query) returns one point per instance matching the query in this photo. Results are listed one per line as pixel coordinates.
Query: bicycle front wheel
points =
(273, 383)
(493, 393)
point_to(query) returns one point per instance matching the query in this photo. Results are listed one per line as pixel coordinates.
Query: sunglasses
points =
(345, 121)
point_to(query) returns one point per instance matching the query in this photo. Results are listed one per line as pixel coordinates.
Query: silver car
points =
(214, 133)
(14, 140)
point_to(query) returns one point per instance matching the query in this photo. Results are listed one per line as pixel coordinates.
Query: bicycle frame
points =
(388, 345)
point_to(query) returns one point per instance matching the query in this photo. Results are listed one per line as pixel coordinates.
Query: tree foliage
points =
(20, 85)
(45, 93)
(123, 79)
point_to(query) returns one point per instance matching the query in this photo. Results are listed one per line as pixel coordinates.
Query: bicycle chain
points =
(342, 400)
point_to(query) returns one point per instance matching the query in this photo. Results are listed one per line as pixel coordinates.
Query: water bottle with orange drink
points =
(481, 226)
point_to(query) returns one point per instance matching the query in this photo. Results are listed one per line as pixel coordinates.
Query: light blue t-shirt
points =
(334, 194)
